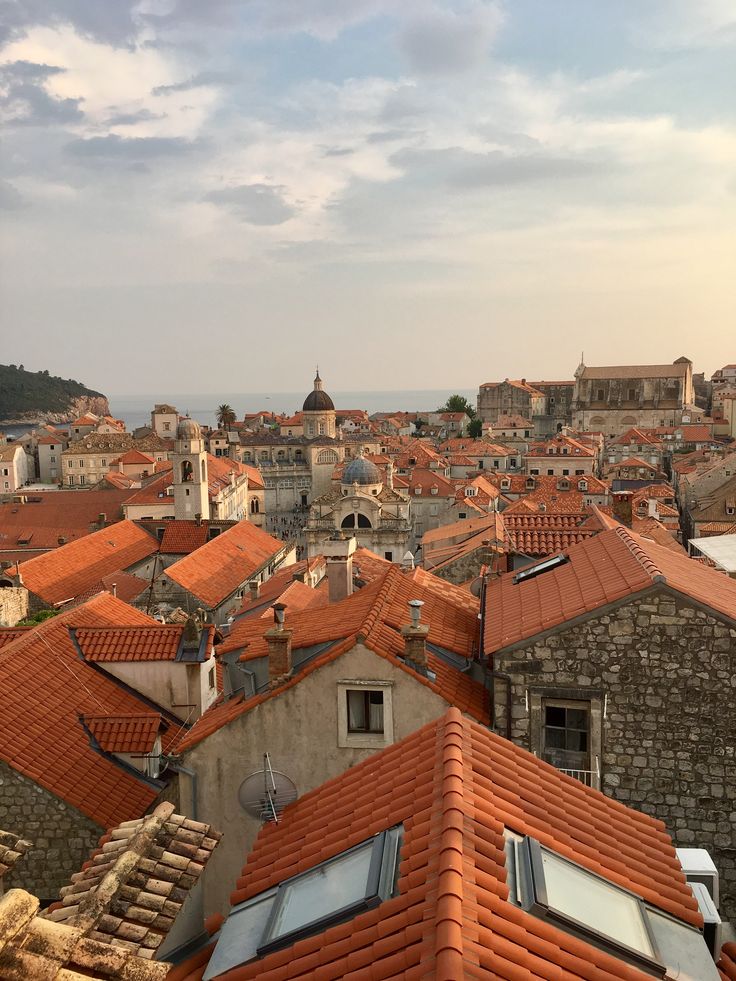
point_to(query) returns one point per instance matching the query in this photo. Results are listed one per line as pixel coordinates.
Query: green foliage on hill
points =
(24, 391)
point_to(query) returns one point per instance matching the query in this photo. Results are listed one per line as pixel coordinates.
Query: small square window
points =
(211, 678)
(365, 711)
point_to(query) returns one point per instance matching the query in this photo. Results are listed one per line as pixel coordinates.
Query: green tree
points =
(225, 415)
(475, 428)
(458, 403)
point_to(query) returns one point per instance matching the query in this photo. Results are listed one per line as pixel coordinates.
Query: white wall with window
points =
(365, 713)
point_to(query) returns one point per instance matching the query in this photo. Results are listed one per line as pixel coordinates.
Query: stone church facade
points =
(612, 400)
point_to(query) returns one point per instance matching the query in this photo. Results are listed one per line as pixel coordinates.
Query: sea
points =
(135, 410)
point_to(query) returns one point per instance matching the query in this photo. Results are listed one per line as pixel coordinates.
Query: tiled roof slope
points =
(32, 949)
(9, 634)
(12, 849)
(216, 569)
(610, 566)
(143, 642)
(44, 687)
(130, 891)
(182, 537)
(727, 962)
(373, 616)
(68, 571)
(124, 733)
(51, 515)
(455, 786)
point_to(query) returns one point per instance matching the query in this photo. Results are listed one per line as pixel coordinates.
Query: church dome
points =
(188, 429)
(361, 471)
(318, 400)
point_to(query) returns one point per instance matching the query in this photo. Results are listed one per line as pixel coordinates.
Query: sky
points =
(202, 196)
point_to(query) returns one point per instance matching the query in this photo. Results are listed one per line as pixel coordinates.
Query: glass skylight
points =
(332, 892)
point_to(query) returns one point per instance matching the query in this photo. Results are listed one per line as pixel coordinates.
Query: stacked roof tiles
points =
(12, 849)
(131, 890)
(455, 787)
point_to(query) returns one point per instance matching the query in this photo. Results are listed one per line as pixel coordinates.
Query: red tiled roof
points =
(126, 587)
(44, 688)
(455, 787)
(182, 537)
(255, 477)
(54, 514)
(69, 571)
(610, 566)
(124, 733)
(9, 634)
(220, 566)
(281, 579)
(149, 642)
(135, 456)
(373, 617)
(727, 961)
(218, 476)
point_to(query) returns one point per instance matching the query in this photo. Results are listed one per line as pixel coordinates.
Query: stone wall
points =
(660, 674)
(62, 837)
(13, 605)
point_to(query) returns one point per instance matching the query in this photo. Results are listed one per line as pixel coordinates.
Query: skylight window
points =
(536, 570)
(589, 906)
(334, 891)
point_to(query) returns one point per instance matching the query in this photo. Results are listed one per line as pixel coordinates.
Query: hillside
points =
(31, 395)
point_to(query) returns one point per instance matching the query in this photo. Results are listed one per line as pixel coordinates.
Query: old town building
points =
(614, 399)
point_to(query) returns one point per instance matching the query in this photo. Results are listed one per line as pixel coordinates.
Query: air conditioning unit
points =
(698, 866)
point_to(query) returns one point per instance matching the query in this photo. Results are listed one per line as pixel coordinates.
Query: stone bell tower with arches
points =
(191, 485)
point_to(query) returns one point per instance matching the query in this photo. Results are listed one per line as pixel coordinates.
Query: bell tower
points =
(191, 486)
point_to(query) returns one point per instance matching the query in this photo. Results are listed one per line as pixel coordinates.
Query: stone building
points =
(85, 461)
(362, 505)
(614, 399)
(614, 661)
(13, 468)
(546, 403)
(298, 469)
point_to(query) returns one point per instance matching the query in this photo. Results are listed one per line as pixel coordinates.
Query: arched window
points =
(327, 456)
(254, 505)
(349, 521)
(321, 429)
(187, 473)
(204, 472)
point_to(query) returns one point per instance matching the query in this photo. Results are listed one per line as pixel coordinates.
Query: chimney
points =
(198, 519)
(255, 589)
(652, 508)
(191, 634)
(415, 638)
(338, 551)
(279, 648)
(390, 474)
(115, 589)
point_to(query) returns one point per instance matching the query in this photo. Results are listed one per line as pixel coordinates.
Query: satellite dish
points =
(476, 586)
(265, 793)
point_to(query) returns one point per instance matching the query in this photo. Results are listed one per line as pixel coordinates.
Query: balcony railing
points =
(591, 778)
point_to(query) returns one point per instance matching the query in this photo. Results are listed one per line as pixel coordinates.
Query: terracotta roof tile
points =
(455, 786)
(68, 571)
(9, 634)
(58, 514)
(147, 642)
(130, 891)
(610, 566)
(12, 850)
(124, 733)
(220, 566)
(42, 735)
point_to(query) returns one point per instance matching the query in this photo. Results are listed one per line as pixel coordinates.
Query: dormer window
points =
(332, 892)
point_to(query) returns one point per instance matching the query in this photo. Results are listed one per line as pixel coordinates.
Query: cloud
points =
(256, 204)
(442, 42)
(131, 118)
(197, 81)
(466, 171)
(112, 23)
(24, 100)
(10, 197)
(133, 149)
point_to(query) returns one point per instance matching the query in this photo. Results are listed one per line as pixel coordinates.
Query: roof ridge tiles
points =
(380, 603)
(643, 557)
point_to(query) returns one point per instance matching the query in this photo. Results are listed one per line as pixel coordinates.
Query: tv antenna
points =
(265, 793)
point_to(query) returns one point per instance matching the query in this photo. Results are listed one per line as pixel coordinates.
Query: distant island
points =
(37, 396)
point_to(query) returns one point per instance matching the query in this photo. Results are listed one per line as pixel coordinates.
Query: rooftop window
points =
(334, 891)
(588, 906)
(536, 570)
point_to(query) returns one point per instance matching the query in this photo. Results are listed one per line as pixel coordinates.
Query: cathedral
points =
(365, 507)
(298, 469)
